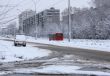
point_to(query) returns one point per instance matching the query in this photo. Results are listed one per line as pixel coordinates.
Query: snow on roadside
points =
(57, 69)
(5, 73)
(9, 53)
(101, 45)
(60, 69)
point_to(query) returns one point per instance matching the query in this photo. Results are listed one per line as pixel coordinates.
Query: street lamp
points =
(21, 26)
(69, 21)
(35, 2)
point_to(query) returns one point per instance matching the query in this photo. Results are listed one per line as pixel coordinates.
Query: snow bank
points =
(8, 52)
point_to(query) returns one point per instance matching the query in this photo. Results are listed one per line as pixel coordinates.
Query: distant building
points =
(24, 15)
(43, 18)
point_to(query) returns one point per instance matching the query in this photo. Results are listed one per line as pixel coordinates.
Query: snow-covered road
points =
(8, 52)
(68, 64)
(99, 45)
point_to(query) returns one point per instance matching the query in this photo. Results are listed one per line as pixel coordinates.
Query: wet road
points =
(85, 53)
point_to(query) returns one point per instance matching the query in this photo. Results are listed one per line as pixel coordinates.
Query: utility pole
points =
(35, 19)
(21, 26)
(69, 21)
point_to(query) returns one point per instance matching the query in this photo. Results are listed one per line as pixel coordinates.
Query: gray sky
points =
(22, 5)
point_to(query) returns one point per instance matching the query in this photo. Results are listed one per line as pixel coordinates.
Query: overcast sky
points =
(22, 5)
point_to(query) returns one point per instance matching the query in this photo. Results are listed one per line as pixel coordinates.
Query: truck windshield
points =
(20, 37)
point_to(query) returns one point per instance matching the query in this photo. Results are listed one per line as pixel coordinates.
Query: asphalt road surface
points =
(85, 53)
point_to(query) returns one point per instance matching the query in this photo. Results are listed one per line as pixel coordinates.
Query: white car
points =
(20, 40)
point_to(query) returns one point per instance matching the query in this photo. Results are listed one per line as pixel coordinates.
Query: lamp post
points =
(69, 21)
(21, 32)
(35, 2)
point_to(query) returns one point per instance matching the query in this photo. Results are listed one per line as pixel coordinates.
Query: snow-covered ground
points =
(12, 53)
(101, 45)
(49, 69)
(60, 69)
(8, 52)
(56, 69)
(5, 73)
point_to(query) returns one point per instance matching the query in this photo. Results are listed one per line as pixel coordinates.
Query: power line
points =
(6, 5)
(6, 8)
(58, 2)
(6, 17)
(36, 4)
(4, 13)
(9, 11)
(13, 7)
(8, 21)
(36, 1)
(1, 6)
(55, 3)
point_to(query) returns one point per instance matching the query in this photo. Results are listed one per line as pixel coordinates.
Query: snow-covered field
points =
(101, 45)
(8, 52)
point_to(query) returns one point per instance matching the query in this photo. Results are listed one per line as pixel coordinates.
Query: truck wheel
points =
(24, 45)
(15, 44)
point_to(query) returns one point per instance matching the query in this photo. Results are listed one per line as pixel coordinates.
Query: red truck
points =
(56, 36)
